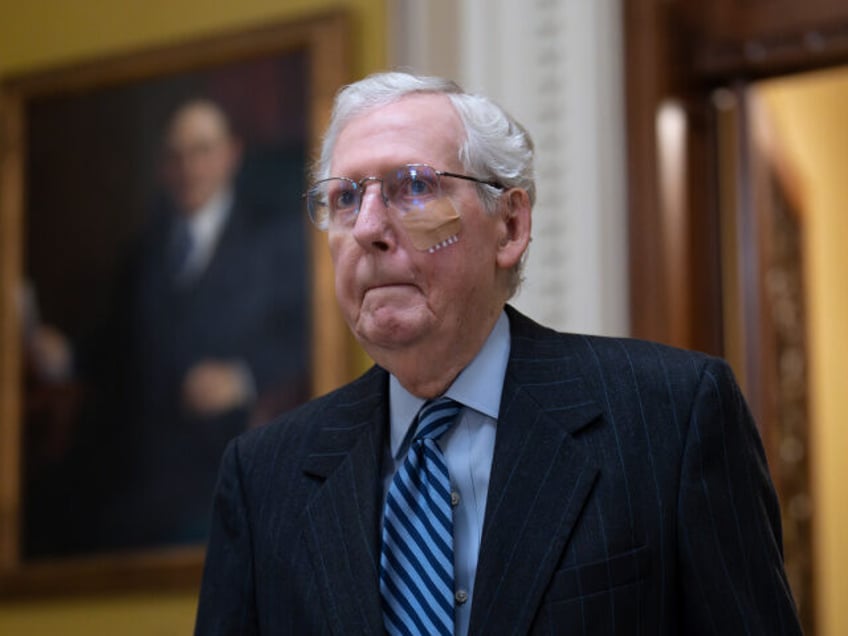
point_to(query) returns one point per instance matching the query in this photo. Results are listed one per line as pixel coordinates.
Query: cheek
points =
(339, 248)
(447, 280)
(343, 266)
(434, 226)
(470, 272)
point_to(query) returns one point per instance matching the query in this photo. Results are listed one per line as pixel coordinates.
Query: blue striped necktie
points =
(416, 564)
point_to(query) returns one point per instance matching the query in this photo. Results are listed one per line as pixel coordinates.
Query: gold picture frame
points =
(321, 46)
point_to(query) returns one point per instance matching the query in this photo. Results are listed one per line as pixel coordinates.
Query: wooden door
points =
(702, 257)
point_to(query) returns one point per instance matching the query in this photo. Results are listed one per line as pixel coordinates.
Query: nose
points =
(373, 228)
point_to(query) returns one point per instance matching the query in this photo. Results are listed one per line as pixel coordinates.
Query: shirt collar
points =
(478, 386)
(206, 223)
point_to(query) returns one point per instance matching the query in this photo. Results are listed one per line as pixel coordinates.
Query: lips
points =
(387, 286)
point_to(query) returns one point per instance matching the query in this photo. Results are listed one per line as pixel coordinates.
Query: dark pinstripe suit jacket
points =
(629, 495)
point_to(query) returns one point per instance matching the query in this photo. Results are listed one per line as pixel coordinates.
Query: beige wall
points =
(809, 116)
(39, 34)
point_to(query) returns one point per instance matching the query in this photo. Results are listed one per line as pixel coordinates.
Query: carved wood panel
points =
(760, 37)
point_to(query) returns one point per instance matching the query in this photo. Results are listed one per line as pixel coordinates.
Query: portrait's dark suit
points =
(248, 305)
(629, 495)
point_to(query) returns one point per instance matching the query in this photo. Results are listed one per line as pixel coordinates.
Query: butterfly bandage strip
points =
(434, 226)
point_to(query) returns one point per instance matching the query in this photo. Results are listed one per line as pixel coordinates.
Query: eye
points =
(414, 186)
(419, 187)
(342, 197)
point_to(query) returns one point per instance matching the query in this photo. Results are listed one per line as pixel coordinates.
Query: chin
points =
(389, 332)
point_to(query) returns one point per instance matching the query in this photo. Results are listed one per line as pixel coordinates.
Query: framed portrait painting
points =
(162, 292)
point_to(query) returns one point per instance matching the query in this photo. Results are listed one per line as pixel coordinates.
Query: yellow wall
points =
(162, 614)
(42, 33)
(809, 116)
(38, 34)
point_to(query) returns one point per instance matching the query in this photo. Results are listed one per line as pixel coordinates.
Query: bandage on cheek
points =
(434, 226)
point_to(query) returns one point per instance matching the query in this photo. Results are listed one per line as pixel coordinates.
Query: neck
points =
(428, 369)
(426, 385)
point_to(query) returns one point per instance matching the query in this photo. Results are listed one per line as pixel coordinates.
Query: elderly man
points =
(204, 325)
(488, 475)
(212, 325)
(209, 245)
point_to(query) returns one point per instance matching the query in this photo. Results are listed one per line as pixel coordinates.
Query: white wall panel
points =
(556, 65)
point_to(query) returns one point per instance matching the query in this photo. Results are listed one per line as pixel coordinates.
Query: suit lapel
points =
(539, 482)
(342, 521)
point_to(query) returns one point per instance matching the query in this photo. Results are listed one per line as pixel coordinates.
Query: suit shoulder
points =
(646, 351)
(608, 356)
(654, 373)
(648, 354)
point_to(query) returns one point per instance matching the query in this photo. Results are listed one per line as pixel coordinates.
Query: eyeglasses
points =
(335, 201)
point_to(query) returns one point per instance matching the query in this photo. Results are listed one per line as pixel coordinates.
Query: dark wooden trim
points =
(683, 50)
(773, 54)
(645, 86)
(11, 206)
(704, 317)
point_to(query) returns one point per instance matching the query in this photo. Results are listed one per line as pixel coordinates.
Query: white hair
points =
(496, 147)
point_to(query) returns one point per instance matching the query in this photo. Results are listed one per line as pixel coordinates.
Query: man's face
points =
(201, 156)
(394, 296)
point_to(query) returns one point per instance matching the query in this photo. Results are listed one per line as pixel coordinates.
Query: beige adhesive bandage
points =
(434, 226)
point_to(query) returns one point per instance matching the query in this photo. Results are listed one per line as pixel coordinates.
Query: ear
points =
(514, 228)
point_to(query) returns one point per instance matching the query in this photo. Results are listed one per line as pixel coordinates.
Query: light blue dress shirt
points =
(468, 447)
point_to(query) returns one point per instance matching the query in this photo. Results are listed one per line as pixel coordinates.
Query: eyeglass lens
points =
(337, 200)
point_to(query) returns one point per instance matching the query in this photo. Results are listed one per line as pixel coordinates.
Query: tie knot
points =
(436, 417)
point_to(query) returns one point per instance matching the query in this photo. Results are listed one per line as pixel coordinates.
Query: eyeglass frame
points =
(360, 188)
